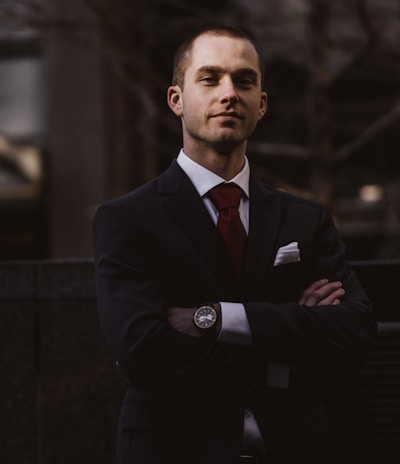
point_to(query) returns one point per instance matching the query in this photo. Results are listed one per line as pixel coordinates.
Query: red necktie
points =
(226, 197)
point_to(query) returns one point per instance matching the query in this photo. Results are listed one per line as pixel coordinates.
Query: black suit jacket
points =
(157, 247)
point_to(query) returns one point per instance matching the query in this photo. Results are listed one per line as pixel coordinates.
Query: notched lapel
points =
(264, 225)
(185, 205)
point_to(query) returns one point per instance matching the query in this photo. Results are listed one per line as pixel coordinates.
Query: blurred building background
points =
(83, 118)
(83, 113)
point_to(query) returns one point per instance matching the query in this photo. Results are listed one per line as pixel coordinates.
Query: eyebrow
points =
(210, 69)
(220, 70)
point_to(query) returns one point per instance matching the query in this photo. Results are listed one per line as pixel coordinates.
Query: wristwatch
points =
(205, 317)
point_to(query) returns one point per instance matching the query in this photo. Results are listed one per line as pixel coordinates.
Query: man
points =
(227, 354)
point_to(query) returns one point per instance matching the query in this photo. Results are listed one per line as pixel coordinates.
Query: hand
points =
(322, 293)
(181, 319)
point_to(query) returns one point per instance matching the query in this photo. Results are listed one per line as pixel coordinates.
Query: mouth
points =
(228, 115)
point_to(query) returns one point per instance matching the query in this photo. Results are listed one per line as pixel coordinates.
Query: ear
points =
(174, 99)
(263, 105)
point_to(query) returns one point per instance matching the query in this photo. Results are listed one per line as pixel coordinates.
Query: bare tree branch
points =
(372, 40)
(279, 149)
(365, 20)
(369, 134)
(300, 152)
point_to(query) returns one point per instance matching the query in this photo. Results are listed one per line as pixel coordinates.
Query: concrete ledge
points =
(62, 391)
(60, 386)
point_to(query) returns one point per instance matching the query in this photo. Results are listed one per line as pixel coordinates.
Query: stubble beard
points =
(226, 142)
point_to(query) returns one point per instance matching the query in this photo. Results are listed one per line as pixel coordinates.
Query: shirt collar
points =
(204, 180)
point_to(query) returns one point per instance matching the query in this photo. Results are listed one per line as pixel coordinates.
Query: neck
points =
(225, 164)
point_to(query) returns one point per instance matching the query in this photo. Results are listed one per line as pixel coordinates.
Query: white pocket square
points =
(287, 254)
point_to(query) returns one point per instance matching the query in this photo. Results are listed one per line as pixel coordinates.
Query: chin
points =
(229, 141)
(225, 147)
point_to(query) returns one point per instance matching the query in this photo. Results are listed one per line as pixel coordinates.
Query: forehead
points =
(228, 52)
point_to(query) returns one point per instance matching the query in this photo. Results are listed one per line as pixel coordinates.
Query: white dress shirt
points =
(235, 327)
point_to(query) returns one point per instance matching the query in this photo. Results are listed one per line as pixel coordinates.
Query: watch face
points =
(205, 317)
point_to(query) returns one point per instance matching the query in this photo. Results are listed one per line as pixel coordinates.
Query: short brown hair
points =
(183, 53)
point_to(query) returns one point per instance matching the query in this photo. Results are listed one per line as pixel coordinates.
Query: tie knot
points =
(226, 196)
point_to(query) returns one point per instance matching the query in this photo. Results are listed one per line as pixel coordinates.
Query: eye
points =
(245, 82)
(209, 80)
(246, 79)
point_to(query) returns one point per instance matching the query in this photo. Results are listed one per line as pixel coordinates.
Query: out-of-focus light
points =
(371, 193)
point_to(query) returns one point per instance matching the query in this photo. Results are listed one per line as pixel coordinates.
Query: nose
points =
(229, 92)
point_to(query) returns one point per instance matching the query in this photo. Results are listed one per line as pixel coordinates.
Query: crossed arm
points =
(320, 293)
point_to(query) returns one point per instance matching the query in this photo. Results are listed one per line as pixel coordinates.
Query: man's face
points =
(221, 102)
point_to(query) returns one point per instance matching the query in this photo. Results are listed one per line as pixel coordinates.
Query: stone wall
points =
(61, 391)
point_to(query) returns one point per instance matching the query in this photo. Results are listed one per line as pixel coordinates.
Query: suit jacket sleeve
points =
(290, 332)
(132, 313)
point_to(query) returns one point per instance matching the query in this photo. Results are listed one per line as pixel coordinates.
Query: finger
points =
(311, 289)
(332, 298)
(325, 295)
